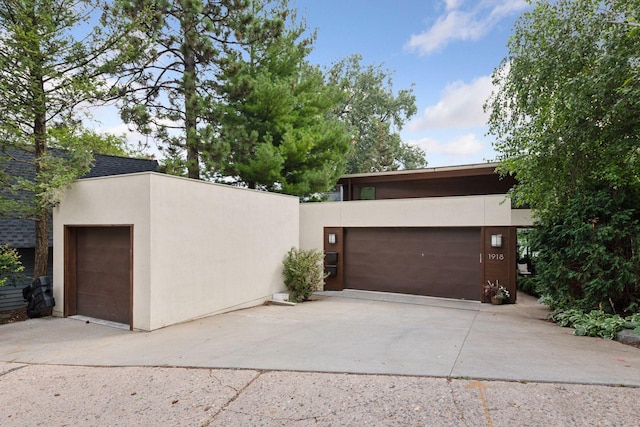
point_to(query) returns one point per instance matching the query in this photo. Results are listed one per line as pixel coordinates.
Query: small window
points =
(368, 193)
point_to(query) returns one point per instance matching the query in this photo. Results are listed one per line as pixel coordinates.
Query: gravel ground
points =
(45, 395)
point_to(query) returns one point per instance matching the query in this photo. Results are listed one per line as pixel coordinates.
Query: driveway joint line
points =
(464, 341)
(476, 309)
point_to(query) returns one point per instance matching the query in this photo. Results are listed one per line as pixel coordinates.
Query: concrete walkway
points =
(420, 361)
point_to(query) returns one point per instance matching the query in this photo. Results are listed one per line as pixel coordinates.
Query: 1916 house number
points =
(496, 257)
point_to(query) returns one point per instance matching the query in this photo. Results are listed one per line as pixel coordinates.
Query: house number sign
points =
(495, 257)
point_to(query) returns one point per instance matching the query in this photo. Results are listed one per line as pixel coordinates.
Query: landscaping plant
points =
(496, 290)
(303, 273)
(588, 253)
(596, 323)
(10, 264)
(565, 115)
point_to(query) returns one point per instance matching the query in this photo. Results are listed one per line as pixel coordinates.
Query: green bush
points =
(10, 265)
(589, 251)
(303, 273)
(595, 323)
(527, 285)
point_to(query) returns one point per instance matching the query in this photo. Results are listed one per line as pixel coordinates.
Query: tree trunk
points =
(190, 94)
(40, 150)
(42, 245)
(41, 210)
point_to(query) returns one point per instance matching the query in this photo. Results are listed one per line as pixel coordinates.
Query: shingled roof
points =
(21, 233)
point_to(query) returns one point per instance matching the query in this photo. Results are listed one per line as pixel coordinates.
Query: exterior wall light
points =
(496, 240)
(332, 239)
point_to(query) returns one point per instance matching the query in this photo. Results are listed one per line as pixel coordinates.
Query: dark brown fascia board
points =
(421, 174)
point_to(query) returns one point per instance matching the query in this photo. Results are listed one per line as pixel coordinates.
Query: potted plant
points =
(496, 292)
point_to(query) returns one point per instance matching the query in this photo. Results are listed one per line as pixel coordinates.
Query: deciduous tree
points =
(54, 55)
(567, 121)
(375, 115)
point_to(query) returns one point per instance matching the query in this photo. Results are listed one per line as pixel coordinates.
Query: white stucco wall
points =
(467, 211)
(215, 248)
(123, 200)
(199, 248)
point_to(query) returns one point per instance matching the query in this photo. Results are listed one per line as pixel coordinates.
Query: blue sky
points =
(447, 48)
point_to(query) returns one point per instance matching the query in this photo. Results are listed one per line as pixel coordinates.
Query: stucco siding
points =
(120, 200)
(215, 247)
(198, 248)
(464, 211)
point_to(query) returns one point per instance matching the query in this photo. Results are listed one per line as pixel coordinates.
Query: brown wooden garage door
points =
(441, 262)
(101, 277)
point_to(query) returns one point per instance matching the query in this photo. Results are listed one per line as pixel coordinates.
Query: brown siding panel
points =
(103, 281)
(464, 186)
(500, 263)
(334, 283)
(428, 183)
(441, 262)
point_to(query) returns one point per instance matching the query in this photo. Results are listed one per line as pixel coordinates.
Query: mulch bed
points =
(11, 316)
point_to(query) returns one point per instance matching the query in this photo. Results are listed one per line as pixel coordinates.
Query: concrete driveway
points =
(345, 332)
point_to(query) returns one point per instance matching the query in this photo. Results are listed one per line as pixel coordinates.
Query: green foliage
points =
(276, 123)
(74, 138)
(303, 272)
(633, 323)
(375, 115)
(566, 116)
(588, 253)
(10, 265)
(595, 323)
(528, 285)
(54, 56)
(173, 86)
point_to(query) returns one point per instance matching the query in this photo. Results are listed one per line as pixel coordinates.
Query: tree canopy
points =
(277, 120)
(566, 116)
(375, 115)
(54, 56)
(171, 90)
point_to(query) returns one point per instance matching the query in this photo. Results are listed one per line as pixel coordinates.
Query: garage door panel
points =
(441, 262)
(103, 273)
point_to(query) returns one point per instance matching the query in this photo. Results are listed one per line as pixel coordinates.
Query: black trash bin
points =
(39, 297)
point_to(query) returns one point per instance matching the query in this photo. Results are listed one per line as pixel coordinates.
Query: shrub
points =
(595, 323)
(10, 265)
(303, 273)
(527, 285)
(589, 251)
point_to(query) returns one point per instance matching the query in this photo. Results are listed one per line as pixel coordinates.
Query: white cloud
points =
(464, 146)
(452, 4)
(457, 24)
(106, 120)
(460, 106)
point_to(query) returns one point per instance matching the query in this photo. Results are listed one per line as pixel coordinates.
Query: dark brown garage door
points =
(441, 262)
(102, 282)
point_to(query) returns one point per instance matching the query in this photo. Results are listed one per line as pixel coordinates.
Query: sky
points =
(446, 49)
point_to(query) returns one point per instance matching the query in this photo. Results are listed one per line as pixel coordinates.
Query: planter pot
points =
(496, 301)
